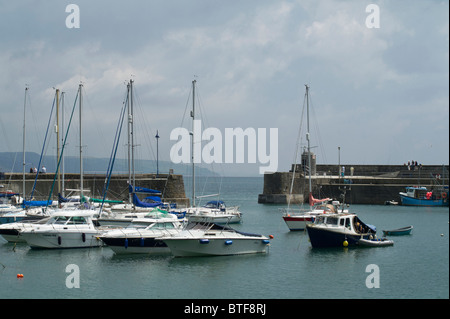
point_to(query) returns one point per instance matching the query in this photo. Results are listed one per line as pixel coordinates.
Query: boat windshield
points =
(77, 220)
(161, 226)
(62, 220)
(59, 220)
(332, 220)
(328, 220)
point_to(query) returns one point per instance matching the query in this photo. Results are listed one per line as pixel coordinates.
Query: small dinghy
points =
(398, 232)
(375, 242)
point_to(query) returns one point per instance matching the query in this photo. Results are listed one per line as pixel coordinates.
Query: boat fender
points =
(266, 241)
(83, 237)
(345, 243)
(126, 243)
(204, 241)
(228, 242)
(142, 242)
(59, 240)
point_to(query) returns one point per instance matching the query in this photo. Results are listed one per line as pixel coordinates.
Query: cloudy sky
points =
(380, 94)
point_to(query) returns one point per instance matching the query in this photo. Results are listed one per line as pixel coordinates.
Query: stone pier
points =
(363, 184)
(170, 185)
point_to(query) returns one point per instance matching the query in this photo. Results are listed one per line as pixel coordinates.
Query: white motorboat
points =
(140, 237)
(209, 239)
(214, 212)
(124, 219)
(11, 232)
(339, 230)
(8, 208)
(65, 229)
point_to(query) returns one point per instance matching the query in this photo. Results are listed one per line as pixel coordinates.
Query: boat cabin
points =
(416, 192)
(215, 204)
(71, 218)
(348, 221)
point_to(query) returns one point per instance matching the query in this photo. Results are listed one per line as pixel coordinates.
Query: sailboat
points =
(123, 213)
(213, 211)
(30, 209)
(296, 219)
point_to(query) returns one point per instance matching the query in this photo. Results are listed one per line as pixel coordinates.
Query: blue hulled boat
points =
(421, 196)
(339, 230)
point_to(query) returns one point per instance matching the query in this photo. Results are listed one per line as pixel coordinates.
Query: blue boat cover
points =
(36, 203)
(138, 189)
(215, 204)
(139, 203)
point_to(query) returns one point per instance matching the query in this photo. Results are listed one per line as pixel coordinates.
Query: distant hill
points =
(12, 162)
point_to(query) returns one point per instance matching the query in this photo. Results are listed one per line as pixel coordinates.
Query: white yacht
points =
(11, 232)
(124, 219)
(140, 237)
(209, 239)
(65, 229)
(215, 212)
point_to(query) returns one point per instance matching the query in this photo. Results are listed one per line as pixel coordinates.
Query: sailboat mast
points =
(23, 144)
(81, 148)
(308, 137)
(57, 139)
(62, 140)
(192, 152)
(132, 134)
(129, 142)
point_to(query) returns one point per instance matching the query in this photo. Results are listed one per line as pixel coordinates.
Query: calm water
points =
(417, 266)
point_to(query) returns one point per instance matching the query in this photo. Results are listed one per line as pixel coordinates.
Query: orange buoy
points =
(271, 236)
(19, 275)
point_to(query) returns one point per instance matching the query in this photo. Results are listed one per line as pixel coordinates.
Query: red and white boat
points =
(296, 219)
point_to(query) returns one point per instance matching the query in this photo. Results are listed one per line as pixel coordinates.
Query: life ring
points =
(444, 195)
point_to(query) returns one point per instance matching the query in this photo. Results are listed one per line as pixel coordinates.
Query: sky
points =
(379, 92)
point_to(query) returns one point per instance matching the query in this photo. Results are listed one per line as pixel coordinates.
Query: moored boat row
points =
(157, 232)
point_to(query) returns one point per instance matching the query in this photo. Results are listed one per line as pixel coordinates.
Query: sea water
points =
(416, 267)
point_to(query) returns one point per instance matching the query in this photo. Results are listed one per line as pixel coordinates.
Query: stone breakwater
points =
(363, 184)
(170, 185)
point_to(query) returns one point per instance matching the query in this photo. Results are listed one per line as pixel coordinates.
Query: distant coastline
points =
(11, 162)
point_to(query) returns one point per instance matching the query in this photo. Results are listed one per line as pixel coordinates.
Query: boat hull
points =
(215, 247)
(137, 245)
(382, 242)
(12, 235)
(297, 223)
(398, 232)
(56, 240)
(410, 201)
(321, 237)
(217, 219)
